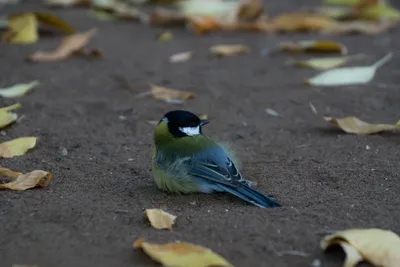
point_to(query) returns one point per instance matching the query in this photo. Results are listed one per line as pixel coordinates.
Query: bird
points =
(185, 161)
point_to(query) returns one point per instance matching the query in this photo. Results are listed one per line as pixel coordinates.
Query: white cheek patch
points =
(190, 131)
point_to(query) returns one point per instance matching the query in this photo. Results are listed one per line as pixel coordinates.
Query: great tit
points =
(186, 161)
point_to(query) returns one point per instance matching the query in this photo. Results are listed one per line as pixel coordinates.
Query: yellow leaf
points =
(18, 89)
(229, 49)
(17, 147)
(300, 22)
(120, 11)
(170, 95)
(25, 181)
(180, 57)
(23, 29)
(203, 117)
(160, 219)
(376, 246)
(356, 126)
(313, 47)
(54, 21)
(165, 36)
(70, 45)
(322, 63)
(181, 254)
(380, 12)
(7, 117)
(342, 2)
(65, 3)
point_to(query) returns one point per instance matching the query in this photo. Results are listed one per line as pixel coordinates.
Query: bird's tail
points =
(251, 195)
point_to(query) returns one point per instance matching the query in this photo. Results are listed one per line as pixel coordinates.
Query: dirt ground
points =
(92, 212)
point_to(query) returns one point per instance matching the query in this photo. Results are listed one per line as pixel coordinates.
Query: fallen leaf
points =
(165, 36)
(181, 254)
(25, 181)
(18, 89)
(336, 12)
(356, 126)
(272, 112)
(300, 22)
(376, 246)
(54, 21)
(203, 117)
(325, 63)
(359, 27)
(206, 8)
(202, 25)
(160, 219)
(313, 46)
(349, 75)
(342, 2)
(67, 3)
(162, 16)
(7, 117)
(68, 47)
(170, 95)
(379, 11)
(17, 147)
(250, 10)
(120, 10)
(23, 29)
(180, 57)
(229, 49)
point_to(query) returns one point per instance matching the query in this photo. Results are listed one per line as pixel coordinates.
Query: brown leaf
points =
(25, 181)
(229, 49)
(162, 16)
(202, 25)
(69, 46)
(359, 27)
(160, 219)
(356, 126)
(170, 95)
(181, 254)
(250, 10)
(313, 46)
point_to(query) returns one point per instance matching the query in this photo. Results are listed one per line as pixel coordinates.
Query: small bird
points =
(186, 161)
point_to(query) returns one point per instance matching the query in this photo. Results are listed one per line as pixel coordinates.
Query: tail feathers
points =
(251, 195)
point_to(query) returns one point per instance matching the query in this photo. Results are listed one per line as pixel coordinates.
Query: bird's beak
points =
(204, 122)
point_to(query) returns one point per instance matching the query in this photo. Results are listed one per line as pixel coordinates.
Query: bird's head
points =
(177, 124)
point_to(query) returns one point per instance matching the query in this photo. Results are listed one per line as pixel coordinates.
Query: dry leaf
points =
(342, 2)
(181, 254)
(121, 10)
(54, 21)
(376, 10)
(300, 22)
(23, 29)
(68, 46)
(313, 47)
(356, 126)
(17, 147)
(160, 219)
(229, 49)
(325, 63)
(67, 3)
(180, 57)
(349, 75)
(376, 246)
(250, 10)
(162, 16)
(206, 8)
(18, 89)
(361, 27)
(170, 95)
(165, 36)
(7, 117)
(25, 181)
(203, 117)
(202, 25)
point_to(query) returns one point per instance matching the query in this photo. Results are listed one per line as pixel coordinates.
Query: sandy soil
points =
(325, 179)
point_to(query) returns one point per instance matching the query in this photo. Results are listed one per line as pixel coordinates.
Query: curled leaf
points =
(170, 95)
(17, 147)
(69, 46)
(54, 21)
(180, 57)
(313, 47)
(229, 49)
(160, 219)
(18, 89)
(25, 181)
(23, 29)
(325, 63)
(7, 117)
(356, 126)
(376, 246)
(349, 75)
(181, 254)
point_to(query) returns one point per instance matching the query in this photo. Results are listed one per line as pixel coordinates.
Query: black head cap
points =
(179, 119)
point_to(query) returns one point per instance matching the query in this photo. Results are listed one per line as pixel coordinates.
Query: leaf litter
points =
(17, 147)
(160, 219)
(18, 89)
(20, 182)
(354, 125)
(7, 117)
(168, 95)
(181, 254)
(229, 49)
